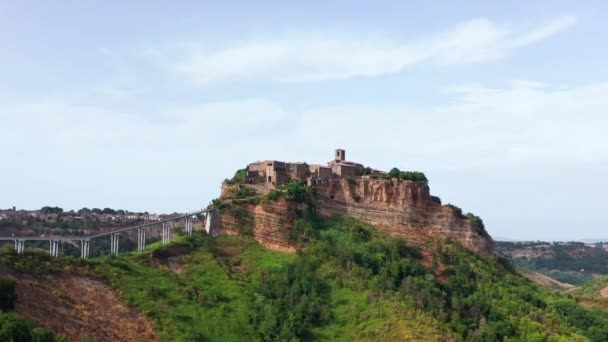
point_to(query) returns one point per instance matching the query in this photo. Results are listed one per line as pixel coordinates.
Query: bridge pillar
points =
(114, 244)
(84, 248)
(141, 239)
(166, 233)
(189, 225)
(54, 248)
(19, 246)
(212, 222)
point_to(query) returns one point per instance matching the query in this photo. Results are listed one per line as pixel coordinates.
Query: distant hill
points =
(568, 262)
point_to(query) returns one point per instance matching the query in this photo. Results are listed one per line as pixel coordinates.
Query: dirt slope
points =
(604, 292)
(78, 306)
(547, 281)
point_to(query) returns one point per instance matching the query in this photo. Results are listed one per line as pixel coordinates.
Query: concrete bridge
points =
(164, 227)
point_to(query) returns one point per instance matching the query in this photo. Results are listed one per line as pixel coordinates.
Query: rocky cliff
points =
(402, 208)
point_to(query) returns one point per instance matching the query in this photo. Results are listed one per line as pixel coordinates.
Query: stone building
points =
(272, 172)
(343, 168)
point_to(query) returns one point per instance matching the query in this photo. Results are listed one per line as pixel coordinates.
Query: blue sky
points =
(144, 105)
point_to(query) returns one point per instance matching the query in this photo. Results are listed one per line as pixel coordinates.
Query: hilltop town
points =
(274, 173)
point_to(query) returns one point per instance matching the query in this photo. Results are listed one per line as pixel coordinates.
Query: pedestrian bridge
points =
(165, 227)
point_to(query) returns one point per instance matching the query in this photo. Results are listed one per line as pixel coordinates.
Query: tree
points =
(51, 210)
(366, 171)
(394, 173)
(296, 191)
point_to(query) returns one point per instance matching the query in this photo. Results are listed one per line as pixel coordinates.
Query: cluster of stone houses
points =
(25, 216)
(272, 172)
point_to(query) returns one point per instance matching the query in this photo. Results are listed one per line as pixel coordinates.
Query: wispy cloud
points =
(315, 57)
(523, 122)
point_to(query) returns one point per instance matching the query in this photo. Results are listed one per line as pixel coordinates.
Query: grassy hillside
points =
(349, 283)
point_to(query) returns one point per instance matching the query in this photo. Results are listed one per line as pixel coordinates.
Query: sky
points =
(149, 105)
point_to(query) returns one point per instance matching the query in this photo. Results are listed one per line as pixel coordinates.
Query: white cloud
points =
(520, 122)
(523, 122)
(310, 57)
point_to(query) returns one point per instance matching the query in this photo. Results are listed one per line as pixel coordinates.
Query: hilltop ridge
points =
(396, 202)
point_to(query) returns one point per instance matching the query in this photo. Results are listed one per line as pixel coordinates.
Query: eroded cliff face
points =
(401, 208)
(268, 222)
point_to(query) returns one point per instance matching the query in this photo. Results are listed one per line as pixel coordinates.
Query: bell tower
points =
(340, 155)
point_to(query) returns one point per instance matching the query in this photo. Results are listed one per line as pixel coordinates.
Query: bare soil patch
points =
(78, 306)
(604, 292)
(547, 281)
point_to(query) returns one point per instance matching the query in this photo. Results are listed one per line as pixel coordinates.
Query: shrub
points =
(15, 328)
(245, 192)
(477, 222)
(297, 192)
(239, 177)
(436, 199)
(243, 219)
(274, 194)
(456, 209)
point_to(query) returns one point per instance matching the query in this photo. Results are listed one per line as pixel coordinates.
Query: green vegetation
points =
(243, 219)
(350, 282)
(14, 328)
(593, 286)
(7, 294)
(436, 199)
(366, 171)
(51, 210)
(456, 209)
(244, 192)
(295, 191)
(414, 176)
(239, 177)
(477, 223)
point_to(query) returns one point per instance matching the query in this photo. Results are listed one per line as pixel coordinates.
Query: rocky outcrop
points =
(268, 222)
(401, 208)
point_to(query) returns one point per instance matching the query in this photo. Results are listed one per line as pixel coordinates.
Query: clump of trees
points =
(295, 191)
(51, 210)
(414, 176)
